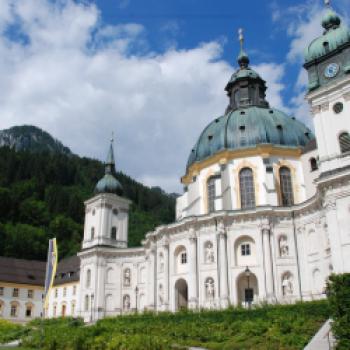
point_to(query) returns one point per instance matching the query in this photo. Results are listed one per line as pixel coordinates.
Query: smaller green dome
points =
(336, 34)
(109, 184)
(330, 20)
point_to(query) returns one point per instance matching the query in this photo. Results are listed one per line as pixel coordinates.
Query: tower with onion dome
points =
(106, 213)
(327, 61)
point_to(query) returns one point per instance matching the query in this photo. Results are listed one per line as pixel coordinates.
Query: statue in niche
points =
(127, 277)
(209, 288)
(284, 249)
(161, 262)
(221, 227)
(209, 253)
(161, 294)
(126, 303)
(287, 285)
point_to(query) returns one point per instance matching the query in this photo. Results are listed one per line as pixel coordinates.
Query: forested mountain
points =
(42, 195)
(31, 138)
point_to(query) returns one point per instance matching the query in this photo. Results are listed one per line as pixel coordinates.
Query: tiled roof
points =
(22, 271)
(33, 272)
(68, 270)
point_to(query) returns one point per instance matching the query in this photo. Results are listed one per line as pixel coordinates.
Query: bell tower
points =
(327, 61)
(106, 214)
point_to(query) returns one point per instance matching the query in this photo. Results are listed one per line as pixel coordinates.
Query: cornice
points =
(226, 155)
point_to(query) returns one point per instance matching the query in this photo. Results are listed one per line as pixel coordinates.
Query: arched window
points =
(29, 310)
(211, 194)
(88, 278)
(344, 142)
(287, 197)
(114, 232)
(14, 309)
(92, 233)
(246, 186)
(313, 164)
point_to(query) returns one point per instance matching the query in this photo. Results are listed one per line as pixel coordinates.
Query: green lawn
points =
(283, 327)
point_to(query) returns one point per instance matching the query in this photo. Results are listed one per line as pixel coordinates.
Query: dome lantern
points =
(245, 88)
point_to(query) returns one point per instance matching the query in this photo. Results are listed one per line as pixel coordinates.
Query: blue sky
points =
(152, 71)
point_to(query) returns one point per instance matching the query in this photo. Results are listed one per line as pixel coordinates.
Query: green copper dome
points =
(336, 34)
(248, 127)
(109, 184)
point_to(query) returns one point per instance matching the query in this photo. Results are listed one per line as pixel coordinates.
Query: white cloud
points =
(80, 80)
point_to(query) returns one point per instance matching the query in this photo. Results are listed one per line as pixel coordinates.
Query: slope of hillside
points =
(42, 195)
(31, 138)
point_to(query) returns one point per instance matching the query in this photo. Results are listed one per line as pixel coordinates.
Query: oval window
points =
(338, 107)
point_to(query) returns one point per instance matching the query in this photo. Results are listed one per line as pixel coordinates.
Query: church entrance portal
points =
(181, 294)
(247, 289)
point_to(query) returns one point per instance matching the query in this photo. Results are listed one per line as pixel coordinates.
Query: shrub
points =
(10, 331)
(339, 299)
(266, 327)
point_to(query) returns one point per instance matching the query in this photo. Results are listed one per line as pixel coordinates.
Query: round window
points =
(338, 107)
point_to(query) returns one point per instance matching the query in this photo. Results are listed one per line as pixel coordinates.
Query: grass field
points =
(282, 327)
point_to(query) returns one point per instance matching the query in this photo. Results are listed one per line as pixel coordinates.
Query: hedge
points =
(270, 327)
(339, 300)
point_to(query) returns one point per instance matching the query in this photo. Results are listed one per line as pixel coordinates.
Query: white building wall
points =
(22, 301)
(64, 300)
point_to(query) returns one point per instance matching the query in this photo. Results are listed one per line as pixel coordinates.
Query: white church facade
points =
(265, 214)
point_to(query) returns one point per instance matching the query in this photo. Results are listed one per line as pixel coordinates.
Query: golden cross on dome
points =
(241, 37)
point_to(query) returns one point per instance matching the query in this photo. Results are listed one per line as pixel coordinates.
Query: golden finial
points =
(241, 37)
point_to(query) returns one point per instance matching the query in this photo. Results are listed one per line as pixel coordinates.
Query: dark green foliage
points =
(281, 327)
(339, 300)
(42, 196)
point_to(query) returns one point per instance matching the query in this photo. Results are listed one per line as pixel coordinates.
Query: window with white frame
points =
(30, 293)
(245, 249)
(183, 258)
(211, 194)
(1, 291)
(15, 292)
(14, 310)
(247, 190)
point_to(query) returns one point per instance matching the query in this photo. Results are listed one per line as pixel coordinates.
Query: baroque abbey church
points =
(265, 213)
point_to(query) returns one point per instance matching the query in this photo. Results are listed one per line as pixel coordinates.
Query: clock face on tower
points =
(331, 70)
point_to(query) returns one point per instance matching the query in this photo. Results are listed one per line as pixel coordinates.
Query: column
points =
(268, 263)
(151, 279)
(304, 276)
(98, 299)
(166, 274)
(222, 263)
(334, 236)
(192, 280)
